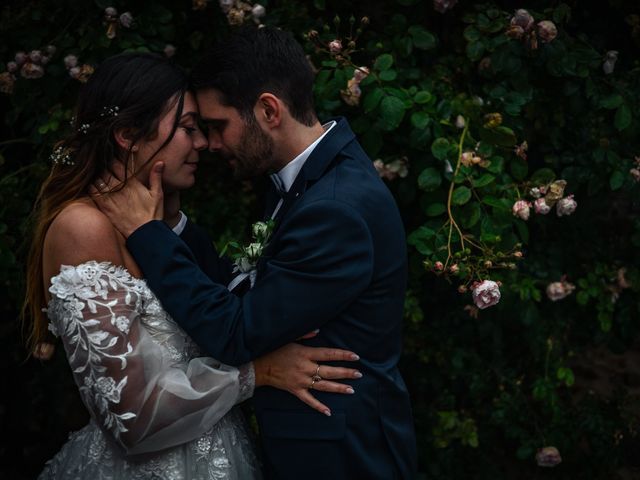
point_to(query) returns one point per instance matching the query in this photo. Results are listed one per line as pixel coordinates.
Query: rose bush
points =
(481, 118)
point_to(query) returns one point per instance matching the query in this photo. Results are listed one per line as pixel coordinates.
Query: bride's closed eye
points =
(190, 130)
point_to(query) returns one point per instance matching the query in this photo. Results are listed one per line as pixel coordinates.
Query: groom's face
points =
(241, 142)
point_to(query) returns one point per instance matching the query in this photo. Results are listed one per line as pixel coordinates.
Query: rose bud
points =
(460, 121)
(20, 58)
(547, 31)
(335, 46)
(466, 159)
(126, 19)
(438, 266)
(169, 50)
(454, 268)
(462, 289)
(258, 11)
(35, 56)
(610, 59)
(522, 19)
(518, 254)
(12, 67)
(635, 173)
(110, 13)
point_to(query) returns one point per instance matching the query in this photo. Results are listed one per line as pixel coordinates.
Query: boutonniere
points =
(245, 258)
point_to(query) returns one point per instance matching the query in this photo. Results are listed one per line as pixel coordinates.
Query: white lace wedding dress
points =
(159, 408)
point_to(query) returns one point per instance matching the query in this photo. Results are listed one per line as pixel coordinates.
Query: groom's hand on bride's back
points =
(130, 204)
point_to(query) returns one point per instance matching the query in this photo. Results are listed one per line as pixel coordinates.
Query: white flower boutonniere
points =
(245, 258)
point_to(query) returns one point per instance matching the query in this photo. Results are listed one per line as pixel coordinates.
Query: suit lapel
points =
(321, 159)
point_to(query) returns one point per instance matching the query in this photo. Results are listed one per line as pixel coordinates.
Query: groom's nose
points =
(215, 143)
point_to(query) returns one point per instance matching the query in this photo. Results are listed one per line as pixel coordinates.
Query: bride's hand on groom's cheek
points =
(297, 369)
(127, 202)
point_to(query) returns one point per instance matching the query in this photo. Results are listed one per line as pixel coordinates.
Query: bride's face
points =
(180, 155)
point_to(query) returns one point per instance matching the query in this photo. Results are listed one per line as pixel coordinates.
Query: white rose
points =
(559, 290)
(70, 61)
(548, 457)
(254, 250)
(260, 229)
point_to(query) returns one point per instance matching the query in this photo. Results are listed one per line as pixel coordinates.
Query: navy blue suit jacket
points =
(336, 261)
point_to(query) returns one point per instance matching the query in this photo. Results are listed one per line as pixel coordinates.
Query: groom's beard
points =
(254, 154)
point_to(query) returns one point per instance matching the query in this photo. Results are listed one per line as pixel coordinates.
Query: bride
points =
(159, 408)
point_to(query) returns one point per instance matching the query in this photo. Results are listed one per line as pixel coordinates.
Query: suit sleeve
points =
(324, 261)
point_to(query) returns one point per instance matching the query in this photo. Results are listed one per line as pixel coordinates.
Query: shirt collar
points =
(285, 177)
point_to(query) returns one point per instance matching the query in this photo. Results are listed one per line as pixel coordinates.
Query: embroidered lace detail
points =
(88, 286)
(160, 409)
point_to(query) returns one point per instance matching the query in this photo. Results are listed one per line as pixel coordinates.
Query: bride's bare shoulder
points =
(81, 232)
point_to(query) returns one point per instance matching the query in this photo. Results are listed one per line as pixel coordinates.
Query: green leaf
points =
(543, 176)
(422, 97)
(612, 101)
(519, 168)
(430, 179)
(420, 238)
(420, 120)
(435, 209)
(388, 75)
(502, 136)
(372, 99)
(617, 180)
(623, 117)
(475, 50)
(499, 203)
(483, 181)
(383, 62)
(392, 111)
(470, 214)
(461, 195)
(422, 38)
(440, 148)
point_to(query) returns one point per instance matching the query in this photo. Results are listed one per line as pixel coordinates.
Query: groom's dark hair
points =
(252, 61)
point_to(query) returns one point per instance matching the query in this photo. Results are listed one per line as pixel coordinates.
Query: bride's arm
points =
(142, 393)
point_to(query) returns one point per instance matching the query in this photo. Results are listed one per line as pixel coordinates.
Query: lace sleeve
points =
(134, 387)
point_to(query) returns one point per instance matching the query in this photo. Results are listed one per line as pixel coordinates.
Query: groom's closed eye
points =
(217, 125)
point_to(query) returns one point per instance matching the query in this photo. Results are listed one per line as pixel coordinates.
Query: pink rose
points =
(548, 457)
(438, 266)
(486, 294)
(541, 207)
(31, 70)
(566, 206)
(521, 209)
(559, 290)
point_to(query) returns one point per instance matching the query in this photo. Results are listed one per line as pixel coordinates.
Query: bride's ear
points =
(124, 139)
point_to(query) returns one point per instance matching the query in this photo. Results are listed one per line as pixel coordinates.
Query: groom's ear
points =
(269, 110)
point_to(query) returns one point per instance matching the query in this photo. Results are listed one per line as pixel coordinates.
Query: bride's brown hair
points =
(129, 92)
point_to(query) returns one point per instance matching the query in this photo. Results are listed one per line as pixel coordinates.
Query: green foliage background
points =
(487, 391)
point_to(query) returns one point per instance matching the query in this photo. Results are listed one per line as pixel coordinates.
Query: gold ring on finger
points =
(313, 381)
(317, 374)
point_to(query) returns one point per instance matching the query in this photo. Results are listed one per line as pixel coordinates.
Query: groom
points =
(336, 261)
